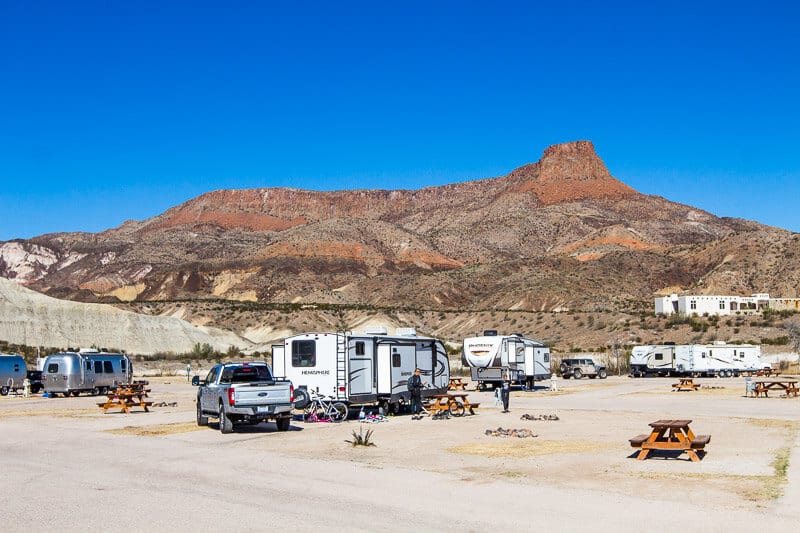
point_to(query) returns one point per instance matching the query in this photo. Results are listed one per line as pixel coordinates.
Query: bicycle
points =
(324, 409)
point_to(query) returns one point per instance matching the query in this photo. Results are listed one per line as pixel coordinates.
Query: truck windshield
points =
(245, 374)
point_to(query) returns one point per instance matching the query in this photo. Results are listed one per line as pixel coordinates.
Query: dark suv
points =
(580, 367)
(35, 379)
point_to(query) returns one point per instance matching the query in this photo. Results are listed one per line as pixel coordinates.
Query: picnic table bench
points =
(670, 435)
(455, 404)
(685, 384)
(126, 396)
(457, 384)
(763, 386)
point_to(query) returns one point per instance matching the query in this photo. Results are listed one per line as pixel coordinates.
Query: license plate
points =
(262, 409)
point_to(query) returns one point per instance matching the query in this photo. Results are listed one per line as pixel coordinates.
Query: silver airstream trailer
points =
(85, 371)
(12, 372)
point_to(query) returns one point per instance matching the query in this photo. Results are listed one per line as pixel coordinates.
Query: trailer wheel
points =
(95, 391)
(202, 420)
(3, 391)
(456, 408)
(76, 393)
(225, 423)
(283, 423)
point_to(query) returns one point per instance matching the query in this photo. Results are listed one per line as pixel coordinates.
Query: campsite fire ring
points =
(518, 433)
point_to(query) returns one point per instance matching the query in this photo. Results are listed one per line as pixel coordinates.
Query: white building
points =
(713, 305)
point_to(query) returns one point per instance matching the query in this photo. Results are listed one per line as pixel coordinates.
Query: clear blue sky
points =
(119, 110)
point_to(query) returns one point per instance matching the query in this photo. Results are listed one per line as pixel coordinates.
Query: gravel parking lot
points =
(68, 467)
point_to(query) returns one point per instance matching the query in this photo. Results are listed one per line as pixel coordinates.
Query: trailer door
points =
(279, 360)
(384, 369)
(360, 377)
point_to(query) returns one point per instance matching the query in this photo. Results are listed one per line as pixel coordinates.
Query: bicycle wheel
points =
(456, 408)
(339, 412)
(311, 412)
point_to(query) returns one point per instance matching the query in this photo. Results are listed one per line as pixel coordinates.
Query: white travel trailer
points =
(12, 373)
(85, 371)
(362, 368)
(491, 355)
(718, 359)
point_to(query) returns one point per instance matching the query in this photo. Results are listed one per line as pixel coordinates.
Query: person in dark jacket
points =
(505, 390)
(415, 386)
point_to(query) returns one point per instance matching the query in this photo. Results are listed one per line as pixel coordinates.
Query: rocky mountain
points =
(561, 233)
(31, 318)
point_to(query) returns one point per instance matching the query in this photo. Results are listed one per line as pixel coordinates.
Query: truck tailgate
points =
(254, 394)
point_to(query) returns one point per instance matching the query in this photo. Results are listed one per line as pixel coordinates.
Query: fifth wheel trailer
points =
(717, 359)
(362, 368)
(490, 355)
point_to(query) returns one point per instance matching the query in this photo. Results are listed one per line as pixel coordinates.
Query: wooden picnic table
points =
(670, 435)
(685, 384)
(457, 384)
(763, 386)
(126, 396)
(457, 404)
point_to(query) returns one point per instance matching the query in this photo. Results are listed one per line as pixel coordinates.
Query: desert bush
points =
(362, 439)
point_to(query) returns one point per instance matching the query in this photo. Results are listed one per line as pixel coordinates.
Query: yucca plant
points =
(361, 438)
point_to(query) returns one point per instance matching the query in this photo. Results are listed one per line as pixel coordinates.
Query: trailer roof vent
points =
(490, 333)
(376, 330)
(406, 332)
(669, 343)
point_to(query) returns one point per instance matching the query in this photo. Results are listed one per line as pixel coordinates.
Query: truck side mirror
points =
(196, 381)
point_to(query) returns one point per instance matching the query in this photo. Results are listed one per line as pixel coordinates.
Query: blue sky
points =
(119, 110)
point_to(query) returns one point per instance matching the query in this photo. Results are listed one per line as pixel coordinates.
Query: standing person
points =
(188, 370)
(505, 391)
(415, 386)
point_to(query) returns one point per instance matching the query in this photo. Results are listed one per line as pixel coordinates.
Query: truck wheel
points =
(341, 412)
(301, 399)
(283, 423)
(603, 374)
(36, 389)
(577, 374)
(201, 419)
(225, 423)
(565, 376)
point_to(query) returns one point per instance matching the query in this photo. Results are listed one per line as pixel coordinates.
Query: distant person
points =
(188, 370)
(415, 387)
(505, 391)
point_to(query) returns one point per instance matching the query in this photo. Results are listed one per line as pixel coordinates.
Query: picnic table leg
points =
(643, 454)
(693, 455)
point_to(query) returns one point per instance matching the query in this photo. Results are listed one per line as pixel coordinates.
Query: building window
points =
(722, 304)
(692, 304)
(304, 353)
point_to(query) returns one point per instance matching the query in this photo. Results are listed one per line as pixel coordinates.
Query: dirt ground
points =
(68, 466)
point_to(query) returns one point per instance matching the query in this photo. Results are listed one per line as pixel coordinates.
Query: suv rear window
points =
(245, 374)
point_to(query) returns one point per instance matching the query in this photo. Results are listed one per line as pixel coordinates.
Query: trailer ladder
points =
(341, 365)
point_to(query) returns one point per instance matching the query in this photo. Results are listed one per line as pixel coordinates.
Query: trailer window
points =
(89, 366)
(396, 360)
(52, 368)
(123, 364)
(659, 356)
(107, 367)
(360, 350)
(304, 353)
(98, 367)
(546, 357)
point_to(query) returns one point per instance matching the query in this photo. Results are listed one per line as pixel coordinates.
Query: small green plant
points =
(361, 438)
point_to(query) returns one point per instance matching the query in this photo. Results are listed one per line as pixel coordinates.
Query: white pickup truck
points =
(243, 393)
